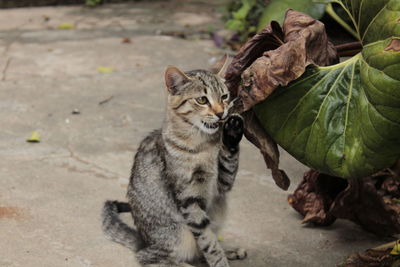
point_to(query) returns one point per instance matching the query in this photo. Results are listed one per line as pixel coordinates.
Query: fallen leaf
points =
(369, 202)
(66, 26)
(378, 256)
(10, 212)
(314, 196)
(220, 238)
(126, 41)
(106, 100)
(35, 137)
(46, 18)
(102, 69)
(396, 248)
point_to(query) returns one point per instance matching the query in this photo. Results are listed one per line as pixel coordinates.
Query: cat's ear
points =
(225, 61)
(174, 79)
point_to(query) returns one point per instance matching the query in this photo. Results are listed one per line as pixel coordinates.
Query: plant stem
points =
(349, 49)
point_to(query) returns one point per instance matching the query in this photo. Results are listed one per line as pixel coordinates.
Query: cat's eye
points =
(224, 97)
(202, 100)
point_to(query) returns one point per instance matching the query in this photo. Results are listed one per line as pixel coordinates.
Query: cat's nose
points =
(219, 114)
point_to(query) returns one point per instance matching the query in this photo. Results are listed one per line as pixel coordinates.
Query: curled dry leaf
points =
(272, 58)
(314, 196)
(268, 148)
(277, 56)
(372, 202)
(268, 39)
(305, 42)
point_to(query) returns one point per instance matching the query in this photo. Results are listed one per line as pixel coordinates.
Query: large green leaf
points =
(276, 10)
(344, 119)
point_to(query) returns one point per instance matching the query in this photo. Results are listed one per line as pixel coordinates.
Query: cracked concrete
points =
(57, 186)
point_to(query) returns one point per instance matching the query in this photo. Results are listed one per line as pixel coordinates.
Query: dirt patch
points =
(11, 212)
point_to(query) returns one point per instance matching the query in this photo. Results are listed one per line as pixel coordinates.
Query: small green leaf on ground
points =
(103, 69)
(396, 248)
(66, 26)
(220, 238)
(34, 138)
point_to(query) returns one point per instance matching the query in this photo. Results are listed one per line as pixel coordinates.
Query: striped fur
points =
(180, 177)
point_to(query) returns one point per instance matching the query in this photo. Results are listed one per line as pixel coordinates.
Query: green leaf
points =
(344, 119)
(93, 3)
(103, 69)
(276, 10)
(238, 21)
(341, 19)
(34, 138)
(66, 26)
(396, 248)
(236, 25)
(241, 14)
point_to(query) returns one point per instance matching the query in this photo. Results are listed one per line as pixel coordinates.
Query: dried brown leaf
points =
(372, 257)
(268, 39)
(314, 196)
(305, 42)
(268, 148)
(371, 202)
(272, 58)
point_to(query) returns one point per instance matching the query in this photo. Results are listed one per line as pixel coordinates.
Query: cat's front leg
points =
(228, 160)
(193, 210)
(210, 247)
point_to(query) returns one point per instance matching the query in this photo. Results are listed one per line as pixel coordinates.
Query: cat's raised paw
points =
(236, 254)
(233, 131)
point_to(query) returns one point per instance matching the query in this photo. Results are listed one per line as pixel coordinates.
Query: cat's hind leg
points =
(170, 250)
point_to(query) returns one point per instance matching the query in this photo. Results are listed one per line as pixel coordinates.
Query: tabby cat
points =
(180, 177)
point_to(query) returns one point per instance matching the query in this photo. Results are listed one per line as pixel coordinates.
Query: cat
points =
(181, 176)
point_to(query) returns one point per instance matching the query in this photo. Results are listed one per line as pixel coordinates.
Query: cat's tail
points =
(115, 229)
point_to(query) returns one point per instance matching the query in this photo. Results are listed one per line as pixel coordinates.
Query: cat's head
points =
(199, 98)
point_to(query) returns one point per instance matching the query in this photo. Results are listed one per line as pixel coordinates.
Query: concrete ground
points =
(51, 192)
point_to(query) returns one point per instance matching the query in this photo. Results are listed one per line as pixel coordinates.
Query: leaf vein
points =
(378, 112)
(322, 104)
(347, 108)
(373, 19)
(301, 99)
(359, 12)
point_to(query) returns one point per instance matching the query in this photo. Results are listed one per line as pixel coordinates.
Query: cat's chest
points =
(203, 164)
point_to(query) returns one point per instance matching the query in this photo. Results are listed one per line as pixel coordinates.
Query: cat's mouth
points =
(211, 126)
